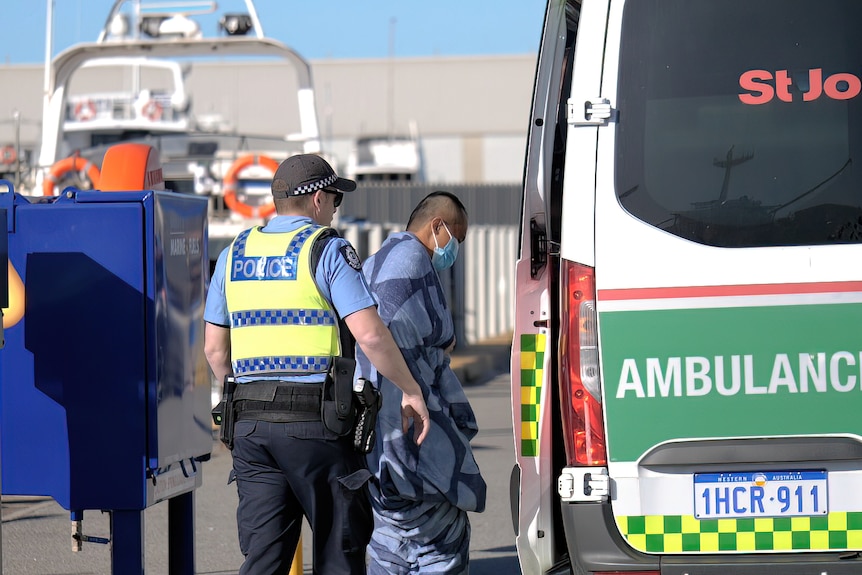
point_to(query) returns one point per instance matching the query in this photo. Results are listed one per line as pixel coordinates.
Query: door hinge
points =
(584, 484)
(594, 112)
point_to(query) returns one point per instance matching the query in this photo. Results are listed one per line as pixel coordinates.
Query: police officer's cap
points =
(306, 174)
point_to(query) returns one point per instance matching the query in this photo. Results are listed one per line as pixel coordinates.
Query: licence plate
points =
(760, 494)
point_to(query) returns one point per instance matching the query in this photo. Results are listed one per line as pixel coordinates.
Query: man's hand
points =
(451, 347)
(376, 341)
(413, 407)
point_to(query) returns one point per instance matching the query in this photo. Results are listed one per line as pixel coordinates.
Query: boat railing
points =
(83, 110)
(164, 20)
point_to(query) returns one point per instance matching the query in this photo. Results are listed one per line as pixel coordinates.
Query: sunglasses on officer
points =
(338, 197)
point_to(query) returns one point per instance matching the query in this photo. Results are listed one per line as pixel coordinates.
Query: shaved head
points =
(442, 205)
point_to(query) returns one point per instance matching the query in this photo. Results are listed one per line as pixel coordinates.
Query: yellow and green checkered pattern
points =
(684, 533)
(532, 361)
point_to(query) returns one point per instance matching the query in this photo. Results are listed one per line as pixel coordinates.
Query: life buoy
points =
(8, 155)
(85, 111)
(232, 177)
(152, 111)
(65, 165)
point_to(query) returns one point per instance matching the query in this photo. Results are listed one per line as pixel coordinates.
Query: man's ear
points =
(436, 224)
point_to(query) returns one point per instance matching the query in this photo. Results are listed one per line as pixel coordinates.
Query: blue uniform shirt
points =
(342, 284)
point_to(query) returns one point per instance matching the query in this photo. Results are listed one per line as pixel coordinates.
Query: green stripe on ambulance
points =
(684, 533)
(729, 372)
(532, 365)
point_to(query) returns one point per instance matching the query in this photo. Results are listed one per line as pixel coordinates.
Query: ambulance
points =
(687, 356)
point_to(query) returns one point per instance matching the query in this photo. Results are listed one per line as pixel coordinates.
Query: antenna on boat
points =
(258, 29)
(49, 37)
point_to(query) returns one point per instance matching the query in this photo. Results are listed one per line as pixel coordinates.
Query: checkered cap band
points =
(315, 186)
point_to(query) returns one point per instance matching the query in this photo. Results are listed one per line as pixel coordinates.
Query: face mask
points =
(444, 257)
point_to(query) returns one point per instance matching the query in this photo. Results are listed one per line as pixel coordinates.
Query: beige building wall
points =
(471, 113)
(473, 159)
(21, 91)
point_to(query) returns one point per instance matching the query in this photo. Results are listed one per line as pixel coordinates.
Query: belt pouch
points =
(226, 412)
(337, 410)
(277, 401)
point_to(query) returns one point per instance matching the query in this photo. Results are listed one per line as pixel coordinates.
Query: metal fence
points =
(496, 204)
(480, 286)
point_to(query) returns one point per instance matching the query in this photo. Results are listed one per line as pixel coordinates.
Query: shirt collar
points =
(286, 223)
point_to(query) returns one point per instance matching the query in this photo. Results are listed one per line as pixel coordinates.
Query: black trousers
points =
(286, 470)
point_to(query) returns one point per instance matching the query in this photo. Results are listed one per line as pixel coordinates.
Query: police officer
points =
(272, 316)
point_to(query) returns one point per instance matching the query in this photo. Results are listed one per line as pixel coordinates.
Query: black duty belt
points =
(278, 401)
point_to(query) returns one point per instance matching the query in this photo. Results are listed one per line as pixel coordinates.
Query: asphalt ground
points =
(36, 531)
(473, 363)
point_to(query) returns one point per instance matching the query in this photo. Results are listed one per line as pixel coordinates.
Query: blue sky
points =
(317, 29)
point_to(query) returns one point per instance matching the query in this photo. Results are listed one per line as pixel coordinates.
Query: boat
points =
(152, 45)
(387, 157)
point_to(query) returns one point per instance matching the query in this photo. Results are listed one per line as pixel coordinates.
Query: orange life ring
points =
(232, 177)
(66, 165)
(85, 111)
(8, 155)
(152, 111)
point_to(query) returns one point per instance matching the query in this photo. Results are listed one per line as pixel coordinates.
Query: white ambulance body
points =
(687, 359)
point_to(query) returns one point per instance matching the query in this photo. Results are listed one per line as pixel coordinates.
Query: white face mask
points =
(444, 257)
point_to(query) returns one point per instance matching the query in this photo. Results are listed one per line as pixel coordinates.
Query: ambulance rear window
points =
(740, 122)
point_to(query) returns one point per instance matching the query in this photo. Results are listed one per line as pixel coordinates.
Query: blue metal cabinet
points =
(105, 390)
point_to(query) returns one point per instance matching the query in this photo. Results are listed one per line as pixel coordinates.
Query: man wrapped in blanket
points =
(420, 497)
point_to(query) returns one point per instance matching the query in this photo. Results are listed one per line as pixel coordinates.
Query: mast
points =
(728, 163)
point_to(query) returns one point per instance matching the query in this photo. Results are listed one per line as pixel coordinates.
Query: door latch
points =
(577, 484)
(594, 112)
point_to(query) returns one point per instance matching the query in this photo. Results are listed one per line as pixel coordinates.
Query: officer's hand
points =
(413, 407)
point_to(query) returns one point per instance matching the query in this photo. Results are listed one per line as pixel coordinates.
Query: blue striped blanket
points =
(412, 304)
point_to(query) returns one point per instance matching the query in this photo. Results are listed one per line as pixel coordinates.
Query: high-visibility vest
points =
(280, 323)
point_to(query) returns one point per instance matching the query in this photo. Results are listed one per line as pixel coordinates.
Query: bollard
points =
(296, 566)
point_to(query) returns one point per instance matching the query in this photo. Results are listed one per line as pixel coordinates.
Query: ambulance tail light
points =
(580, 385)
